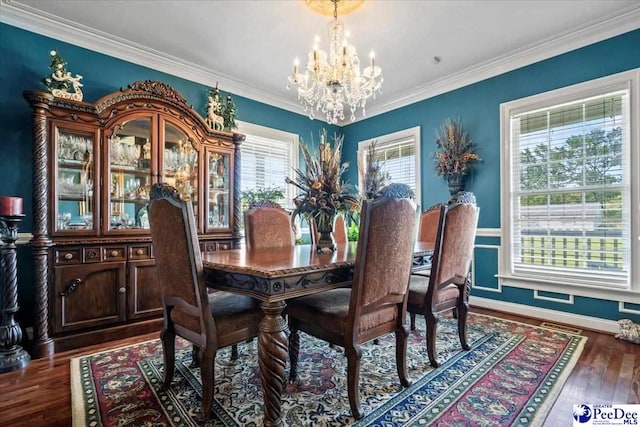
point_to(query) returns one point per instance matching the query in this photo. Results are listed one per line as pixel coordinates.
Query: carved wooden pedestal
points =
(12, 356)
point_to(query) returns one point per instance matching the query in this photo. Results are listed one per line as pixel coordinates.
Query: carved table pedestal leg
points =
(272, 352)
(12, 356)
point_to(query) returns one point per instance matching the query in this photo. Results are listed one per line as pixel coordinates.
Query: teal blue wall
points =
(478, 105)
(24, 60)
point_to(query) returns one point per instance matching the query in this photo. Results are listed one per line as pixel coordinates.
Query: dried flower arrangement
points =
(373, 176)
(455, 155)
(322, 192)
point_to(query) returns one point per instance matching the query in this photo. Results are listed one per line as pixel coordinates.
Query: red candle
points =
(10, 206)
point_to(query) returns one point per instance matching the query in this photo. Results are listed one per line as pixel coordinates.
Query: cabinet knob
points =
(114, 253)
(139, 252)
(68, 256)
(122, 290)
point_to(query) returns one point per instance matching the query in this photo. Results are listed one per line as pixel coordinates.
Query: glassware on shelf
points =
(124, 151)
(64, 219)
(142, 217)
(88, 220)
(74, 147)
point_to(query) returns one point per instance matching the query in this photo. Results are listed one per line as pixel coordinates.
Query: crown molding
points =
(31, 19)
(28, 18)
(627, 20)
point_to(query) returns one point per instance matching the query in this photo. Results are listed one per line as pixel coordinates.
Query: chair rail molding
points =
(488, 232)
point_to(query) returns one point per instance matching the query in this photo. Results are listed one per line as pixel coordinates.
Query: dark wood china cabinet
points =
(94, 165)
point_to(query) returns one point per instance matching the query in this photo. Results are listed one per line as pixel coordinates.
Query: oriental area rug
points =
(510, 377)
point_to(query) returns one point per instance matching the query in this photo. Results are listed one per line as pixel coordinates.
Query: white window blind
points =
(267, 157)
(399, 156)
(570, 191)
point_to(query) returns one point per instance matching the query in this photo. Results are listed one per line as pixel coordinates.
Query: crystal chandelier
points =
(333, 80)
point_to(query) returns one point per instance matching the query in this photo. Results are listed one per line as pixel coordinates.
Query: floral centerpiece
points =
(455, 156)
(322, 194)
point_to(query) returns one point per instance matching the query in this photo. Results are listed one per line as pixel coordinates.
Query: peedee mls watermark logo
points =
(606, 415)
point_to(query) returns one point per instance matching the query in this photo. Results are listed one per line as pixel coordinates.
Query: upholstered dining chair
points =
(209, 320)
(428, 225)
(375, 304)
(267, 225)
(427, 232)
(447, 286)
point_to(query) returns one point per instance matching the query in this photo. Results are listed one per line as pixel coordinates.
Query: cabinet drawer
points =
(223, 246)
(115, 253)
(208, 247)
(91, 254)
(142, 251)
(215, 245)
(68, 256)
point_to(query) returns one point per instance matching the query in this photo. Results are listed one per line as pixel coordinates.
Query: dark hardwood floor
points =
(608, 372)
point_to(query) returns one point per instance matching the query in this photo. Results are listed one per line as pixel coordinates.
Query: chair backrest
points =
(340, 234)
(428, 228)
(179, 264)
(340, 230)
(267, 225)
(383, 262)
(454, 245)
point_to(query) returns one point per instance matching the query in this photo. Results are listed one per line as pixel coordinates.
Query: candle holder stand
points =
(12, 355)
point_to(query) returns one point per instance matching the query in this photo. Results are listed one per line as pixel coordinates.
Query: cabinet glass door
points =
(218, 197)
(180, 163)
(75, 198)
(130, 171)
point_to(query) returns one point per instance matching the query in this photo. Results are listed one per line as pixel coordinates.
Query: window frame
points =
(247, 129)
(628, 80)
(414, 133)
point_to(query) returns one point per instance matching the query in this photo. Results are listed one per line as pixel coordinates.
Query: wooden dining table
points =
(274, 275)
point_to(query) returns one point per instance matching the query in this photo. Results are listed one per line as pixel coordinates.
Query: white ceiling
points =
(248, 46)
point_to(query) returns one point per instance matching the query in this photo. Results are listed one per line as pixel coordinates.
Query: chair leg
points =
(401, 355)
(294, 349)
(354, 354)
(234, 352)
(168, 338)
(432, 323)
(463, 311)
(412, 316)
(207, 374)
(195, 356)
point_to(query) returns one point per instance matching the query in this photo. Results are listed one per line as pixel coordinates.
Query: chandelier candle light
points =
(332, 80)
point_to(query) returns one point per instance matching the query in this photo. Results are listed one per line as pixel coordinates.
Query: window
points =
(267, 157)
(400, 154)
(569, 173)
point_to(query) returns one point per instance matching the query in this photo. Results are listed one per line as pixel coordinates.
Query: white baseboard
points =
(577, 320)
